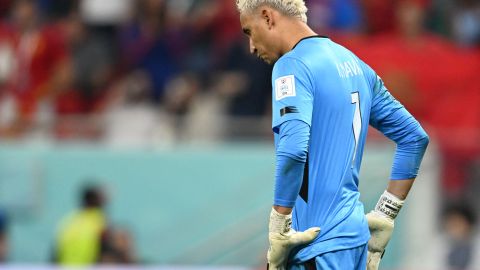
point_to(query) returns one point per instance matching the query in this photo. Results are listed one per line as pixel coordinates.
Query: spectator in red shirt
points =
(41, 69)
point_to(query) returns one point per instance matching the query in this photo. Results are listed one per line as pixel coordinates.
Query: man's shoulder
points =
(303, 55)
(289, 62)
(288, 58)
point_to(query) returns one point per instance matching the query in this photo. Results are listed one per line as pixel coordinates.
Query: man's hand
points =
(283, 239)
(381, 229)
(381, 223)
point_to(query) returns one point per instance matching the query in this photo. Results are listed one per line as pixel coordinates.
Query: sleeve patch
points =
(288, 109)
(285, 87)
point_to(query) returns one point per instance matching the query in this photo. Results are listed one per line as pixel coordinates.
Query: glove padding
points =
(381, 229)
(283, 239)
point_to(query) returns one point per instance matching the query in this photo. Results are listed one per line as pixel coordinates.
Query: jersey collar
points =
(314, 36)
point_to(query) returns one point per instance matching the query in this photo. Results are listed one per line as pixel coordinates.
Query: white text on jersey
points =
(348, 69)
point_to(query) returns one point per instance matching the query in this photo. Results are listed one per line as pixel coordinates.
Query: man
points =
(80, 236)
(324, 97)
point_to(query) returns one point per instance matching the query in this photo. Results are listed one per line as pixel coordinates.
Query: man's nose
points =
(253, 50)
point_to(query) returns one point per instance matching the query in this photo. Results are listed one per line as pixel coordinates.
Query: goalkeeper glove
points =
(380, 223)
(283, 239)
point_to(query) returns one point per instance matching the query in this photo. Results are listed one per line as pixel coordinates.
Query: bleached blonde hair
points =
(293, 8)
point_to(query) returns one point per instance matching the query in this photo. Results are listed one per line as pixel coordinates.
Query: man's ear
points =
(268, 17)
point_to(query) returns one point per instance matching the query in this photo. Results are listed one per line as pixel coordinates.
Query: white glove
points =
(381, 223)
(283, 239)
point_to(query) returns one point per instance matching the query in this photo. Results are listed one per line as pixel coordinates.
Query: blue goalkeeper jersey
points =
(326, 86)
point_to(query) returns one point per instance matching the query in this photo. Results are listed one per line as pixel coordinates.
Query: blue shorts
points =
(345, 259)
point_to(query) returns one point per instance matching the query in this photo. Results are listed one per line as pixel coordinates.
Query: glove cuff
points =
(388, 205)
(279, 223)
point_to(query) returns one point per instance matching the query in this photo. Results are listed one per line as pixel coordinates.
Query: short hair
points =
(92, 197)
(293, 8)
(462, 209)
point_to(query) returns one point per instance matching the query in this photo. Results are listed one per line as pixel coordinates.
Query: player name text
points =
(348, 69)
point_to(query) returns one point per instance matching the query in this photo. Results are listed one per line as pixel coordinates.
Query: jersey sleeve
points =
(292, 95)
(395, 122)
(388, 115)
(291, 145)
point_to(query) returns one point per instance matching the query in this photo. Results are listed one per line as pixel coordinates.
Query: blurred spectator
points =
(223, 26)
(145, 46)
(3, 237)
(79, 240)
(335, 15)
(244, 86)
(378, 15)
(118, 247)
(466, 22)
(459, 224)
(347, 15)
(53, 10)
(131, 119)
(93, 58)
(438, 17)
(37, 68)
(319, 14)
(5, 7)
(105, 12)
(250, 94)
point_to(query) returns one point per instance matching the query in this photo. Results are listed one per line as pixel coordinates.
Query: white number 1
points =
(357, 121)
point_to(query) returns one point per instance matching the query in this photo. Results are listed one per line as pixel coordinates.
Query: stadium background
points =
(158, 102)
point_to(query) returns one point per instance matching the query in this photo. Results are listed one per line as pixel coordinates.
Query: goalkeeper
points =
(323, 100)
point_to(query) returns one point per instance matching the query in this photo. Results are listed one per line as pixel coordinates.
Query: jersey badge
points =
(285, 87)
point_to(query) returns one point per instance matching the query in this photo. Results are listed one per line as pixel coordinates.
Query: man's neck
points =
(296, 31)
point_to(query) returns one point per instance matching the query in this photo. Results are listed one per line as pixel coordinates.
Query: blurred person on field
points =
(118, 247)
(3, 237)
(79, 239)
(36, 68)
(459, 225)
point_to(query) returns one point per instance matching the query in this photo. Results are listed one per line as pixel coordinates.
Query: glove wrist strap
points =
(389, 205)
(279, 223)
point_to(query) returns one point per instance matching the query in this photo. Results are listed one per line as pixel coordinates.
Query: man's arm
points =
(292, 107)
(395, 122)
(283, 210)
(291, 152)
(400, 188)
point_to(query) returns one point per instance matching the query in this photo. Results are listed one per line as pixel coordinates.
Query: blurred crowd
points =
(123, 70)
(162, 71)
